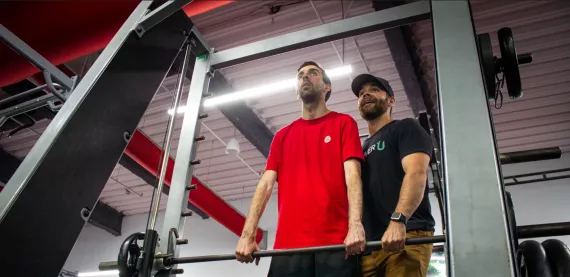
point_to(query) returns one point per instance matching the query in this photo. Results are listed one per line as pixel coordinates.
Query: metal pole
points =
(531, 155)
(49, 83)
(332, 31)
(20, 47)
(285, 252)
(544, 230)
(477, 230)
(170, 129)
(182, 172)
(26, 93)
(524, 232)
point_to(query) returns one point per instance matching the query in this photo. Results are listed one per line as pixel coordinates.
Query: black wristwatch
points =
(399, 217)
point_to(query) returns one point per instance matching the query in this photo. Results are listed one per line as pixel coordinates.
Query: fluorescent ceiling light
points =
(263, 90)
(181, 109)
(268, 89)
(99, 273)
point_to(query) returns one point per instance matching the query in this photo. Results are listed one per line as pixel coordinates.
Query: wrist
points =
(246, 234)
(398, 217)
(355, 222)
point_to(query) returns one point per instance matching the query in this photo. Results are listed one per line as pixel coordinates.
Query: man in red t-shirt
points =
(316, 160)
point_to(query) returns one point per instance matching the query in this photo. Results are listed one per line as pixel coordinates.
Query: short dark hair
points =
(326, 78)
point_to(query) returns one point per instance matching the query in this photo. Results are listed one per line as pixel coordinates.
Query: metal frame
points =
(182, 172)
(31, 55)
(477, 229)
(59, 181)
(473, 189)
(159, 14)
(353, 26)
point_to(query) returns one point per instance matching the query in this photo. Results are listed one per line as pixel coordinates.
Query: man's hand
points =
(394, 239)
(355, 241)
(245, 247)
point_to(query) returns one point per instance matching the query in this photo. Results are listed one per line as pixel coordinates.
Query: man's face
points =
(310, 84)
(373, 101)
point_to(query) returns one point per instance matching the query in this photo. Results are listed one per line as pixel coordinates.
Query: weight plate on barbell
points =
(532, 261)
(512, 221)
(558, 256)
(509, 62)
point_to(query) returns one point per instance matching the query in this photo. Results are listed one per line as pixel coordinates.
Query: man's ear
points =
(392, 101)
(327, 88)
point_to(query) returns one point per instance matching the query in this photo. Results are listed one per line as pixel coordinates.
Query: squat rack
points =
(45, 223)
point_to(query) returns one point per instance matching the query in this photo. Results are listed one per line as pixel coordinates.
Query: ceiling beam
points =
(242, 117)
(102, 216)
(404, 52)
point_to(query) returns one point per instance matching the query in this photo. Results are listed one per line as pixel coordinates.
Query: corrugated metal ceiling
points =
(540, 119)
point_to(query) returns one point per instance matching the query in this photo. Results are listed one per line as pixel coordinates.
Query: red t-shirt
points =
(308, 156)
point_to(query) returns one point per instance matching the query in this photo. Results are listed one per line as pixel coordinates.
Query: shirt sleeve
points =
(412, 138)
(274, 156)
(351, 146)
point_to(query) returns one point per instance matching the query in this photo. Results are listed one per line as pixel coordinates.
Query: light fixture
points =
(268, 89)
(99, 273)
(232, 148)
(181, 109)
(263, 90)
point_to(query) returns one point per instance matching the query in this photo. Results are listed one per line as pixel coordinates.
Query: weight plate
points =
(512, 221)
(532, 260)
(509, 62)
(558, 256)
(487, 63)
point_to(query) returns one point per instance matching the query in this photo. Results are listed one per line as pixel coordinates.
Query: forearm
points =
(258, 203)
(354, 191)
(412, 192)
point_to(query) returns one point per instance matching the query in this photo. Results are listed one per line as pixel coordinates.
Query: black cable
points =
(498, 92)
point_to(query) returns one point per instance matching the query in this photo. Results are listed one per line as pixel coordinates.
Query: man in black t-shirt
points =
(394, 178)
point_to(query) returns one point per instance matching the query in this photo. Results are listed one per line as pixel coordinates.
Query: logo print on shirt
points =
(327, 139)
(378, 146)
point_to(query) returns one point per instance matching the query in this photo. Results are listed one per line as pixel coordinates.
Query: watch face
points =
(396, 216)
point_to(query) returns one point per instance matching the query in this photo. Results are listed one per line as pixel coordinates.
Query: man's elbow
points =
(419, 176)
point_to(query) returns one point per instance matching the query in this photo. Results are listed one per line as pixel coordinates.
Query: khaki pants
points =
(412, 262)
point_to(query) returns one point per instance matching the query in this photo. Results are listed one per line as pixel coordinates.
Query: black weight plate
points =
(487, 63)
(510, 62)
(558, 256)
(512, 221)
(532, 260)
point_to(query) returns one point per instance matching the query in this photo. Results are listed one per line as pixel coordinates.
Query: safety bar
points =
(531, 155)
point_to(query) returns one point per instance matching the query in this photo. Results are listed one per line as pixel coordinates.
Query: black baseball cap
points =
(362, 79)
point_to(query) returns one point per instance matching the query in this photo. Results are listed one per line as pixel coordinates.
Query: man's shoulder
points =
(342, 116)
(286, 128)
(407, 123)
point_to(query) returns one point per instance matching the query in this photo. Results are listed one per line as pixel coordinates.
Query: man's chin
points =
(369, 115)
(309, 98)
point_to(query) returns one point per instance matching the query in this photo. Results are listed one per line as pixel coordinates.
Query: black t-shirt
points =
(382, 176)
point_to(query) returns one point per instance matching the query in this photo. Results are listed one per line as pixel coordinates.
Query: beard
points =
(374, 110)
(310, 93)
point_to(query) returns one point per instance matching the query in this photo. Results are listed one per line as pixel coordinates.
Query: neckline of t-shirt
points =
(316, 120)
(383, 128)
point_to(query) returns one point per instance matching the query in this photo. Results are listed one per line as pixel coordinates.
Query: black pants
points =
(324, 264)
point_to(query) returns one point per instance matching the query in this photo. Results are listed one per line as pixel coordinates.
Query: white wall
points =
(535, 203)
(205, 237)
